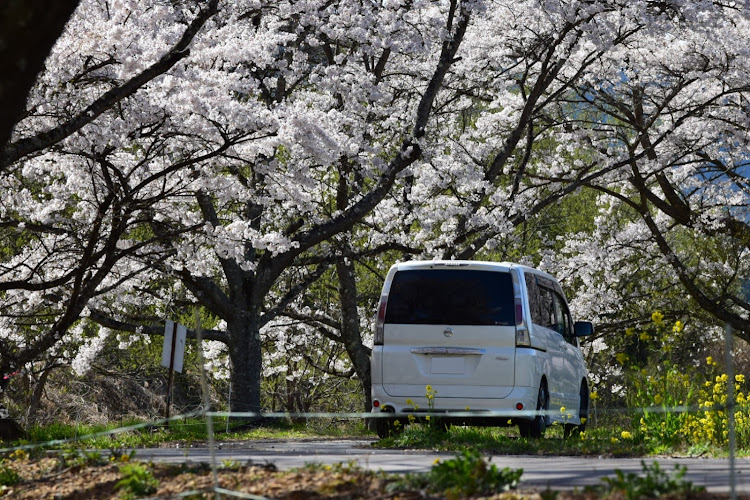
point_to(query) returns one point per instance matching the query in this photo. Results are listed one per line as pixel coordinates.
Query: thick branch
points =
(29, 145)
(106, 321)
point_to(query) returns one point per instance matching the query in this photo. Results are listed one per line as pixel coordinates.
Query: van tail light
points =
(380, 321)
(522, 337)
(522, 332)
(519, 311)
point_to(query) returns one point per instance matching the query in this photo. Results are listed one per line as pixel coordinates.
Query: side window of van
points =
(542, 303)
(533, 292)
(564, 321)
(548, 317)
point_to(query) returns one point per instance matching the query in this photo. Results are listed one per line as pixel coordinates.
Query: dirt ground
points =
(43, 478)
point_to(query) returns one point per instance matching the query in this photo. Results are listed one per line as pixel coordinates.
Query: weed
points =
(75, 458)
(470, 474)
(653, 483)
(19, 455)
(137, 480)
(465, 475)
(350, 467)
(8, 476)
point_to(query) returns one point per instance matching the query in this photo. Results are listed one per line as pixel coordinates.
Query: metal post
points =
(730, 408)
(170, 381)
(206, 402)
(229, 400)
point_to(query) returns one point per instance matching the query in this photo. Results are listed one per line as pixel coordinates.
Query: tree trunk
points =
(36, 396)
(350, 333)
(247, 356)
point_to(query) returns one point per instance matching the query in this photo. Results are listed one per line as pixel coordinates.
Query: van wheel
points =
(535, 428)
(583, 412)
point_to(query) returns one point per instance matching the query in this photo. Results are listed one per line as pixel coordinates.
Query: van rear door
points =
(451, 327)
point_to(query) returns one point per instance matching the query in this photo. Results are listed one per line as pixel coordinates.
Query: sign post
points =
(173, 355)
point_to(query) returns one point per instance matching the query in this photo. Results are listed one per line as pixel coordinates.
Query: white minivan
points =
(494, 342)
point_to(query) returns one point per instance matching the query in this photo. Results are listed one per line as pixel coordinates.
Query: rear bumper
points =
(472, 411)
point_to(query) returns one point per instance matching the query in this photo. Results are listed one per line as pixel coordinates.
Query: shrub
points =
(652, 484)
(137, 480)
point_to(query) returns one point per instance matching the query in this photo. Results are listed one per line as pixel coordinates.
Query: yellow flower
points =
(657, 317)
(630, 331)
(594, 395)
(678, 326)
(614, 440)
(622, 358)
(658, 399)
(436, 461)
(739, 378)
(428, 388)
(709, 360)
(626, 435)
(645, 336)
(410, 402)
(427, 418)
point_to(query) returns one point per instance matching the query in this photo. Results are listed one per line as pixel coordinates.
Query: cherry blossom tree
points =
(243, 156)
(672, 106)
(68, 207)
(212, 168)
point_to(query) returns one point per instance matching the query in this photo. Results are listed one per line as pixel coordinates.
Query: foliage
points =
(234, 159)
(77, 458)
(8, 475)
(678, 405)
(465, 475)
(595, 441)
(653, 483)
(116, 439)
(709, 426)
(137, 480)
(469, 474)
(658, 391)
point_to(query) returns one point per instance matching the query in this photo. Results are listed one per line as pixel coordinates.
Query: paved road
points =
(554, 472)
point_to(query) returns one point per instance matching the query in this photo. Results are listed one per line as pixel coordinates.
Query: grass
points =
(505, 441)
(602, 440)
(140, 434)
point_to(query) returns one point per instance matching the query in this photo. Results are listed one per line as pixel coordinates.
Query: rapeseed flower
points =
(657, 317)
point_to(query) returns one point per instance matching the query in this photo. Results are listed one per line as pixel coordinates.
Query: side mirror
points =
(583, 328)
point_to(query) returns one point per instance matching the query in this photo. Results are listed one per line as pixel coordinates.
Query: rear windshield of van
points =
(451, 297)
